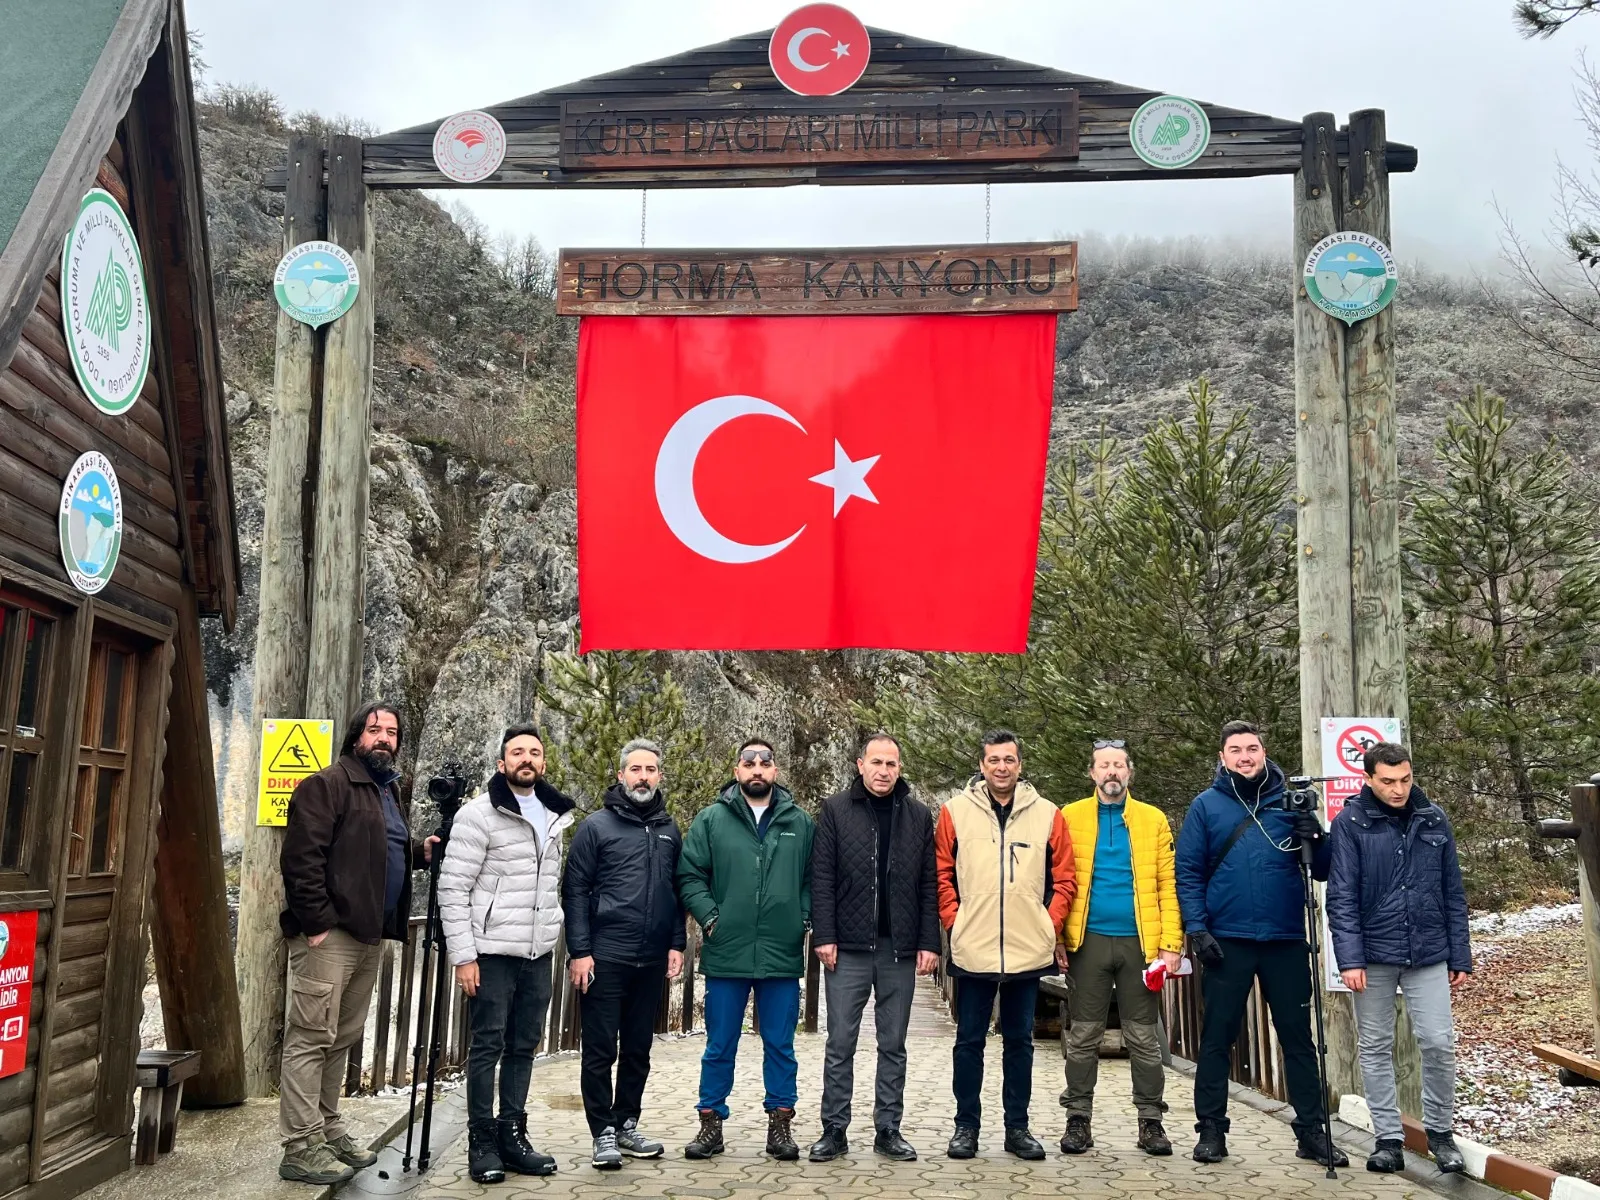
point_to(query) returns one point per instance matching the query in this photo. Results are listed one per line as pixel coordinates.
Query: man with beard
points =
(625, 937)
(1244, 907)
(500, 908)
(875, 913)
(1123, 917)
(347, 859)
(745, 876)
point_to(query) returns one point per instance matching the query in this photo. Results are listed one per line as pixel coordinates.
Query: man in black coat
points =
(875, 924)
(1397, 913)
(625, 935)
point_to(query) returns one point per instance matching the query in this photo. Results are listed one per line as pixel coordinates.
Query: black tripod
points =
(1312, 933)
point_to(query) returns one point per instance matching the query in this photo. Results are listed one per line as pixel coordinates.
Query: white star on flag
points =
(848, 478)
(841, 49)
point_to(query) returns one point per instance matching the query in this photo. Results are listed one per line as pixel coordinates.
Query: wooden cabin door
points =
(78, 1105)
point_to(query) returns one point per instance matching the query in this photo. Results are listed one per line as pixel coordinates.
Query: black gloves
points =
(1306, 826)
(1205, 948)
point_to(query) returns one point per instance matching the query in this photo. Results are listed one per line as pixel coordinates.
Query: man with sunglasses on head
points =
(745, 876)
(1124, 916)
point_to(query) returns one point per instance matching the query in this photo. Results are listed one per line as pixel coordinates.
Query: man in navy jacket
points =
(1244, 905)
(1398, 916)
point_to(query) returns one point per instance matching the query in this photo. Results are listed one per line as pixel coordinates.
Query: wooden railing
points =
(403, 1005)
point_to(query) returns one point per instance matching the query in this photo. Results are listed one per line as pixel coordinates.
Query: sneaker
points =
(634, 1144)
(606, 1155)
(831, 1145)
(1024, 1145)
(964, 1142)
(780, 1136)
(1153, 1137)
(1313, 1144)
(1077, 1139)
(890, 1144)
(1212, 1146)
(483, 1155)
(1387, 1157)
(709, 1140)
(1447, 1155)
(347, 1152)
(516, 1152)
(315, 1163)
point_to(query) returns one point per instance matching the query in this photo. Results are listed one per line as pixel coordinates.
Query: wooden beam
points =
(189, 927)
(282, 627)
(338, 573)
(1585, 800)
(1578, 1064)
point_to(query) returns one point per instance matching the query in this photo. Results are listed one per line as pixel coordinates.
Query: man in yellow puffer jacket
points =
(1125, 915)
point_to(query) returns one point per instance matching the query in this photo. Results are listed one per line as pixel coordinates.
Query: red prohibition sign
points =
(819, 50)
(1353, 744)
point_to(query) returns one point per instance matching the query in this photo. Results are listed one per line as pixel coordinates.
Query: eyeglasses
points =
(751, 757)
(1110, 744)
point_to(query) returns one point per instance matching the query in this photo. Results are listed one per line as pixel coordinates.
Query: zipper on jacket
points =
(876, 899)
(1003, 844)
(888, 876)
(1015, 846)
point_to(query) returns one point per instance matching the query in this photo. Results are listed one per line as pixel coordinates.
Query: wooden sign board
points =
(640, 135)
(1011, 277)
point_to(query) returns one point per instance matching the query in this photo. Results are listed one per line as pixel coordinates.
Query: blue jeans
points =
(974, 1004)
(778, 1001)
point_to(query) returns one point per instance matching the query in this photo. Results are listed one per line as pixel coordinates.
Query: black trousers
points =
(974, 1005)
(1284, 968)
(507, 1017)
(619, 1020)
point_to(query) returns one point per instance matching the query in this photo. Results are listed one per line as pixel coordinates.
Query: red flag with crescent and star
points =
(793, 483)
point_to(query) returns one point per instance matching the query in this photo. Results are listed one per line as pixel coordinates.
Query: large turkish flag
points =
(793, 483)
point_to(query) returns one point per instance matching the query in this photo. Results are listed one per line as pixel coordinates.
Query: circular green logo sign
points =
(1350, 276)
(316, 282)
(105, 310)
(1170, 132)
(91, 522)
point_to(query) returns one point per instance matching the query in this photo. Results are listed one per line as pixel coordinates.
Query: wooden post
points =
(281, 633)
(1585, 829)
(338, 571)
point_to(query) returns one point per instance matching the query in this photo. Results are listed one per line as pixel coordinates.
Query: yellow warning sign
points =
(290, 750)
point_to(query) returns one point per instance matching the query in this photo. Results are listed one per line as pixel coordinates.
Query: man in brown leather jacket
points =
(347, 860)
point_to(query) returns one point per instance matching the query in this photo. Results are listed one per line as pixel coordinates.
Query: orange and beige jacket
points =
(1002, 895)
(1155, 892)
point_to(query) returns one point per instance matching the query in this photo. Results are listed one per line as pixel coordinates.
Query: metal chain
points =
(644, 197)
(986, 213)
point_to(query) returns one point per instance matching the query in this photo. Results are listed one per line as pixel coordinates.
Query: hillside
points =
(473, 576)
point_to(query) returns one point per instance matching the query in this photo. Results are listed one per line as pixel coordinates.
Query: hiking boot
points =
(1313, 1144)
(346, 1151)
(709, 1140)
(634, 1144)
(890, 1144)
(606, 1155)
(1212, 1145)
(1024, 1145)
(1388, 1157)
(316, 1163)
(831, 1145)
(1077, 1139)
(780, 1137)
(483, 1155)
(1447, 1155)
(1153, 1137)
(963, 1142)
(516, 1152)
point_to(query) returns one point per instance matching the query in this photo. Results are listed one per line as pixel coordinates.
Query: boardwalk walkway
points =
(1262, 1163)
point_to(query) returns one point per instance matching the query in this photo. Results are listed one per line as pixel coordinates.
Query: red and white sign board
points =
(1345, 740)
(19, 933)
(819, 50)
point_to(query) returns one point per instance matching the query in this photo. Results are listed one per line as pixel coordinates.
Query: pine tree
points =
(1503, 553)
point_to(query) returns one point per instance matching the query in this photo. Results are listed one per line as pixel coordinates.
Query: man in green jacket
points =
(745, 876)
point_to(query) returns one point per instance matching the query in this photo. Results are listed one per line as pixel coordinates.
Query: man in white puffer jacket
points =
(500, 906)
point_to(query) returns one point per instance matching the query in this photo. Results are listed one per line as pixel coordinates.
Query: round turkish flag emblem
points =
(819, 50)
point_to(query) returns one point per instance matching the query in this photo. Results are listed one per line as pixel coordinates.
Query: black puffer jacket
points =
(844, 874)
(619, 896)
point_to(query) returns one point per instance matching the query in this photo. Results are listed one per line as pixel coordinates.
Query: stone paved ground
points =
(1262, 1162)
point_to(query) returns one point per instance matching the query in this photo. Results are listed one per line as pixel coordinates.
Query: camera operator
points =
(1244, 905)
(347, 859)
(1398, 916)
(500, 906)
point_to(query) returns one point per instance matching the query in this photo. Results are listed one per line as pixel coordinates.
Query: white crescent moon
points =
(675, 478)
(801, 64)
